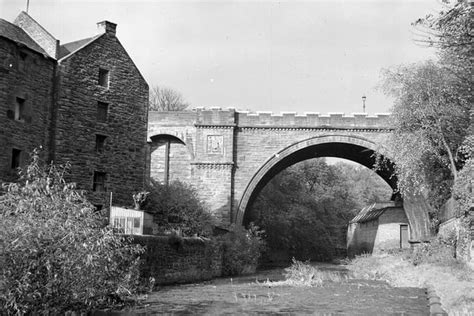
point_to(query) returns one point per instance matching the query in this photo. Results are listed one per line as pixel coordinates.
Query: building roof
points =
(18, 35)
(72, 47)
(372, 212)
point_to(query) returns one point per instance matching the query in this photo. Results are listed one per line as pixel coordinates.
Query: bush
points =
(176, 207)
(304, 274)
(439, 251)
(242, 249)
(57, 255)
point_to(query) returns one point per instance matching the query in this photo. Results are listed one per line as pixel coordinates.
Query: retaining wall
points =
(172, 260)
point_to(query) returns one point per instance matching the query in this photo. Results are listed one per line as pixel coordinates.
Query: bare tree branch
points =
(166, 99)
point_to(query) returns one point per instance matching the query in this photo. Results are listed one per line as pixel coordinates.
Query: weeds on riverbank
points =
(304, 274)
(452, 280)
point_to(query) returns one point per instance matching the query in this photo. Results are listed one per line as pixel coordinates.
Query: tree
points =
(57, 255)
(431, 122)
(451, 32)
(176, 207)
(305, 209)
(166, 99)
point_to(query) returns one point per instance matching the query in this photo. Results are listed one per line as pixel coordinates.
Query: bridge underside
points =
(352, 152)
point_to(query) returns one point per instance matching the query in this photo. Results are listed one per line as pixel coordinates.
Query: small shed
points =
(131, 222)
(378, 227)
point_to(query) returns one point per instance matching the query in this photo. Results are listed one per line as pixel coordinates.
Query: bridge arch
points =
(350, 147)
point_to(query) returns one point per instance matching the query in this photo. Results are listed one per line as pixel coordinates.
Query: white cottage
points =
(378, 227)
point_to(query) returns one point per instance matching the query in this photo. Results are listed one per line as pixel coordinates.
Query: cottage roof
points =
(72, 47)
(18, 35)
(372, 212)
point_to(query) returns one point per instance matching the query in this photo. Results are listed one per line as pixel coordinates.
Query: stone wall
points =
(172, 260)
(388, 235)
(378, 235)
(126, 96)
(27, 75)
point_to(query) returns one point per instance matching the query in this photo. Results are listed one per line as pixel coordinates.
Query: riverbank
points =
(264, 293)
(453, 281)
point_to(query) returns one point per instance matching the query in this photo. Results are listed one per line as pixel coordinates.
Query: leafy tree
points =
(450, 30)
(431, 121)
(242, 249)
(57, 254)
(166, 99)
(432, 104)
(305, 209)
(176, 207)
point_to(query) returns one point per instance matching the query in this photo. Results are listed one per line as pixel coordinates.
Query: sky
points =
(278, 56)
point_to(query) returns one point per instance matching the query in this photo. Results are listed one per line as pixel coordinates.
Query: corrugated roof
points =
(16, 34)
(372, 212)
(70, 48)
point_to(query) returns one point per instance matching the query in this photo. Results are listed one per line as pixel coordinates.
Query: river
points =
(250, 295)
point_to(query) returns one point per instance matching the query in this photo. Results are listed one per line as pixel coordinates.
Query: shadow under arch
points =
(172, 138)
(169, 158)
(348, 147)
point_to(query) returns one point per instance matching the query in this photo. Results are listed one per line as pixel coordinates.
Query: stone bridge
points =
(228, 156)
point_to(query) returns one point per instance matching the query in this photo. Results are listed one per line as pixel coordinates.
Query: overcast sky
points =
(302, 56)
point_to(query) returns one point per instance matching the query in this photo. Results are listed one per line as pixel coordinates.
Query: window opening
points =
(99, 181)
(19, 109)
(99, 143)
(102, 109)
(16, 158)
(103, 77)
(22, 61)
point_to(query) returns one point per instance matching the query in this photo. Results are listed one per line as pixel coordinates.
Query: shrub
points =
(242, 249)
(303, 273)
(176, 207)
(57, 254)
(440, 251)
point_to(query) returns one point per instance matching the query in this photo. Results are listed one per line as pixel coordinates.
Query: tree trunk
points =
(451, 158)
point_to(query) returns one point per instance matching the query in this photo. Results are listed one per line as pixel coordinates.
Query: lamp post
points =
(363, 102)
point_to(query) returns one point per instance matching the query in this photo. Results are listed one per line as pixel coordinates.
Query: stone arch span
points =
(351, 147)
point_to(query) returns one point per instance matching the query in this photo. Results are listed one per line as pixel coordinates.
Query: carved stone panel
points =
(215, 144)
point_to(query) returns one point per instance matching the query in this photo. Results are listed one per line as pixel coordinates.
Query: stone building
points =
(26, 97)
(85, 103)
(378, 227)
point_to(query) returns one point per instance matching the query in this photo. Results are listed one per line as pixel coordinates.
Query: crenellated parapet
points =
(217, 117)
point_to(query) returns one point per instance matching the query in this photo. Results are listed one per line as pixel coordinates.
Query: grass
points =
(304, 274)
(453, 281)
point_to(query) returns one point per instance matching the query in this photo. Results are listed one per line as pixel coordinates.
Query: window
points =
(136, 222)
(22, 61)
(99, 181)
(19, 109)
(102, 109)
(103, 77)
(99, 143)
(16, 158)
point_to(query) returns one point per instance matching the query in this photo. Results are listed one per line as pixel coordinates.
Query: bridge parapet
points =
(231, 117)
(312, 120)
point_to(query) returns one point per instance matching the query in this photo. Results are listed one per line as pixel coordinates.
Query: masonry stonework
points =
(234, 154)
(26, 82)
(122, 158)
(85, 103)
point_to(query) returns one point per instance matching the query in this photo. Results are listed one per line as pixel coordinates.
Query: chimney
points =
(106, 27)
